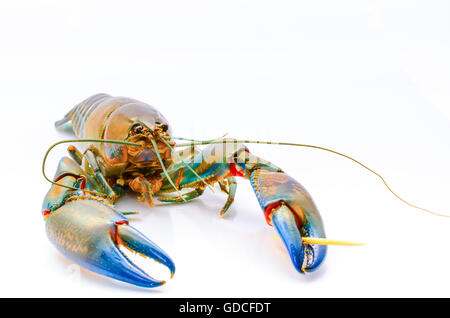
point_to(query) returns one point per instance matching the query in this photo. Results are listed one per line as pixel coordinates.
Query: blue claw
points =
(284, 222)
(89, 233)
(289, 207)
(304, 257)
(136, 241)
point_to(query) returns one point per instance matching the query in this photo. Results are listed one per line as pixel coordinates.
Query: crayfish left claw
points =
(304, 257)
(89, 232)
(284, 222)
(289, 208)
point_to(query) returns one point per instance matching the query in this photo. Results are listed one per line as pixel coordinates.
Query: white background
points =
(368, 78)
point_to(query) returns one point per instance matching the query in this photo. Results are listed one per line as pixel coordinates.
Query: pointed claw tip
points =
(136, 242)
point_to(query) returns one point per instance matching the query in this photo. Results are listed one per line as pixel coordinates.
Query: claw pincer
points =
(286, 204)
(289, 208)
(88, 230)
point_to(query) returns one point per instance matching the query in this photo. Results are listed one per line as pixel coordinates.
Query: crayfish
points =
(130, 148)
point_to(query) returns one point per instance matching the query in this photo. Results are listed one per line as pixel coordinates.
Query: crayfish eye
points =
(165, 127)
(138, 129)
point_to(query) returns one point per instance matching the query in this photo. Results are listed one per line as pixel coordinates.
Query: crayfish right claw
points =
(289, 208)
(304, 257)
(89, 232)
(285, 223)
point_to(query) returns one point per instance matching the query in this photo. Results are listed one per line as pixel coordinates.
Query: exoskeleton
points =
(79, 209)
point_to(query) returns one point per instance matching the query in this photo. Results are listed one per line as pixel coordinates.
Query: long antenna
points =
(207, 142)
(188, 166)
(165, 170)
(81, 140)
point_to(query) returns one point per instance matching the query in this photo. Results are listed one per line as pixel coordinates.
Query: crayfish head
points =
(138, 123)
(145, 154)
(149, 160)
